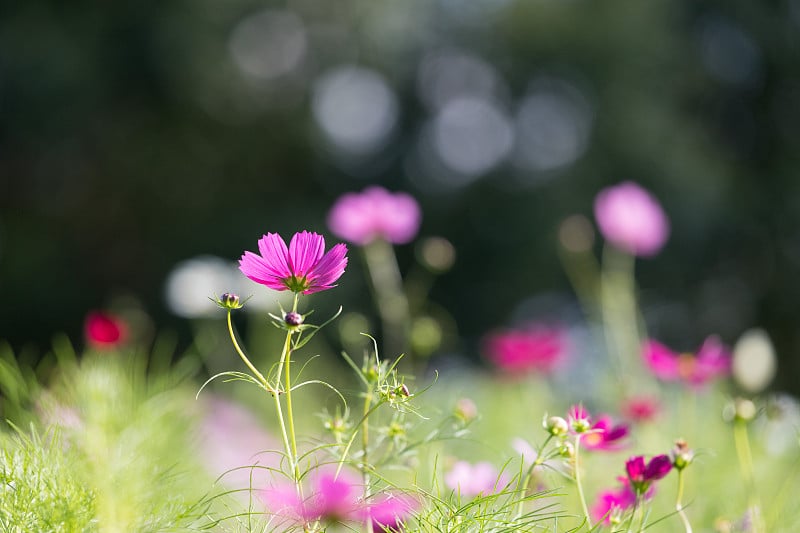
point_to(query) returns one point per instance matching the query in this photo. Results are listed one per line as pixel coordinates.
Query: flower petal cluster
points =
(104, 331)
(303, 266)
(538, 348)
(631, 219)
(612, 501)
(640, 408)
(713, 360)
(642, 473)
(471, 480)
(335, 500)
(604, 435)
(375, 213)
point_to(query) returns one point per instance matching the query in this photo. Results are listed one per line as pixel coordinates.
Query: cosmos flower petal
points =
(305, 250)
(275, 255)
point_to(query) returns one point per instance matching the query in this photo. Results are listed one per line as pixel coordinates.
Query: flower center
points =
(296, 284)
(686, 365)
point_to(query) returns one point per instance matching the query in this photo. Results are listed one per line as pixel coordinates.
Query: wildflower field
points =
(293, 412)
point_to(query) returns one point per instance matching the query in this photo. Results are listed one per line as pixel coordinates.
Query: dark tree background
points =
(134, 135)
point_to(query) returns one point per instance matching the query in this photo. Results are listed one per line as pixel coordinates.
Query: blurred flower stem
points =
(621, 320)
(679, 505)
(387, 289)
(742, 442)
(578, 482)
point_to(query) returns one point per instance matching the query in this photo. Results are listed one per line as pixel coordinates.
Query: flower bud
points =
(681, 455)
(556, 426)
(229, 301)
(740, 410)
(402, 390)
(566, 450)
(293, 318)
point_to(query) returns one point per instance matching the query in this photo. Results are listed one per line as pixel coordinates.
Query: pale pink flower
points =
(578, 419)
(104, 331)
(302, 267)
(632, 219)
(375, 213)
(713, 360)
(471, 480)
(537, 348)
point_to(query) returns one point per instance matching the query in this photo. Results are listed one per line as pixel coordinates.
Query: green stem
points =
(529, 473)
(387, 288)
(247, 362)
(633, 514)
(364, 449)
(286, 357)
(578, 481)
(742, 442)
(679, 506)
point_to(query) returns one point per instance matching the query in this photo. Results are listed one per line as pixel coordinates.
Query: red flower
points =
(104, 331)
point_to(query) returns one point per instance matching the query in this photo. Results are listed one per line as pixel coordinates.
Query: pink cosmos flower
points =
(640, 409)
(471, 480)
(104, 331)
(375, 213)
(713, 360)
(605, 436)
(536, 349)
(302, 267)
(337, 499)
(614, 500)
(632, 219)
(641, 474)
(579, 419)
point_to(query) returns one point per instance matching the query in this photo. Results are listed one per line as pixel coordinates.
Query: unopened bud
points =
(229, 301)
(556, 426)
(402, 390)
(293, 318)
(466, 410)
(681, 455)
(566, 450)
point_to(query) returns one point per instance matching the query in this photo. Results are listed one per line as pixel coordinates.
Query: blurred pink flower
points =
(640, 408)
(713, 360)
(104, 331)
(613, 500)
(632, 219)
(538, 348)
(231, 439)
(375, 213)
(303, 267)
(641, 474)
(605, 436)
(338, 499)
(579, 419)
(471, 480)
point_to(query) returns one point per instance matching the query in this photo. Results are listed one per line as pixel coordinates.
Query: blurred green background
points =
(136, 135)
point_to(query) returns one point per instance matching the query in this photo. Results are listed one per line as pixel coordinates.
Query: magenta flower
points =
(713, 360)
(375, 213)
(389, 510)
(302, 267)
(641, 474)
(605, 436)
(535, 349)
(104, 331)
(632, 219)
(471, 480)
(613, 501)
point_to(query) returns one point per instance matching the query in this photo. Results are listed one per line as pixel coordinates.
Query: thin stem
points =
(526, 480)
(247, 362)
(633, 514)
(742, 441)
(364, 450)
(286, 356)
(679, 506)
(578, 481)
